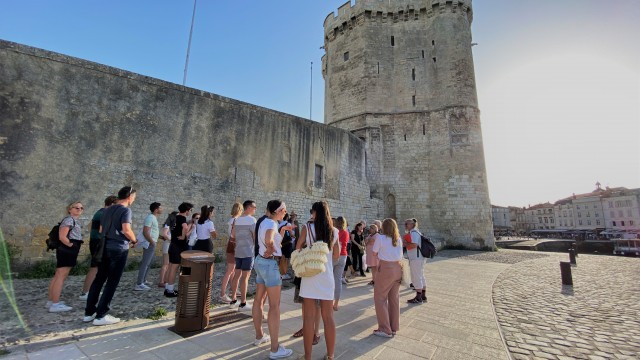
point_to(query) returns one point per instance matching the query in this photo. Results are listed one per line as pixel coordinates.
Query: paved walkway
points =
(597, 318)
(457, 323)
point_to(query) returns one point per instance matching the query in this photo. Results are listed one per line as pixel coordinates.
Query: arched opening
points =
(390, 207)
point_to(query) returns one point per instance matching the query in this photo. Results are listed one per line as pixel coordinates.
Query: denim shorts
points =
(267, 272)
(244, 264)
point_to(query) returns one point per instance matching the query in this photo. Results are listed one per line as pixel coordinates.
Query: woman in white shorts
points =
(319, 287)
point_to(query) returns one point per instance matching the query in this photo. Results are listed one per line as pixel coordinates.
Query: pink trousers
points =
(386, 296)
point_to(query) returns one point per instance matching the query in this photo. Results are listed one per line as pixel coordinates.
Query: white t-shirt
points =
(385, 249)
(265, 225)
(204, 231)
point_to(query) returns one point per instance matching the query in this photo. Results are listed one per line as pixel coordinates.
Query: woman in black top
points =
(357, 248)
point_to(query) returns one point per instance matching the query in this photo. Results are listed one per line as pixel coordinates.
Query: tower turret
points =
(399, 74)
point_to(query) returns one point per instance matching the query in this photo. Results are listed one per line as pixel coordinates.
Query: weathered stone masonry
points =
(400, 76)
(76, 130)
(402, 139)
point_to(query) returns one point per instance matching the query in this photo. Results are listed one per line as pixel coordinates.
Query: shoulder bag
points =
(231, 245)
(310, 261)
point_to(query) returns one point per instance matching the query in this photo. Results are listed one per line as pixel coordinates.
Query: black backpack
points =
(426, 248)
(53, 239)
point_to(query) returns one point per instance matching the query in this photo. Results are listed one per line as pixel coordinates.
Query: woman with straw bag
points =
(319, 234)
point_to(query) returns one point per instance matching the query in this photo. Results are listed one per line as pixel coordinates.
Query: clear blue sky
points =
(558, 80)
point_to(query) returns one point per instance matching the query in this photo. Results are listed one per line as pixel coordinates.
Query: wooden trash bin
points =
(194, 291)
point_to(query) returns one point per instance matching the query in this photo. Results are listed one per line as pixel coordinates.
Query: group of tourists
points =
(263, 245)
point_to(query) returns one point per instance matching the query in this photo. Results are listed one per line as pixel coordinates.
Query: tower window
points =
(378, 67)
(413, 100)
(405, 137)
(434, 59)
(424, 129)
(433, 42)
(318, 176)
(393, 41)
(413, 74)
(346, 56)
(423, 54)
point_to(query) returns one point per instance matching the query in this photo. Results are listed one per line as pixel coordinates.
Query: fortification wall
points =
(76, 130)
(408, 90)
(408, 57)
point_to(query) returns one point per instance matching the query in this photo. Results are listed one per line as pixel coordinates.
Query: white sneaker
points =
(225, 298)
(48, 304)
(246, 307)
(141, 287)
(344, 281)
(59, 307)
(84, 296)
(106, 320)
(265, 338)
(89, 318)
(281, 353)
(286, 277)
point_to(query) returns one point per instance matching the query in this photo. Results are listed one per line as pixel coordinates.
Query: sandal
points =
(316, 339)
(297, 334)
(327, 357)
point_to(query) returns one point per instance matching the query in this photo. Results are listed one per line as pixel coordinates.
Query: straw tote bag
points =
(311, 260)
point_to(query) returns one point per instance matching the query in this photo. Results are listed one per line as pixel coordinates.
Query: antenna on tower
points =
(186, 63)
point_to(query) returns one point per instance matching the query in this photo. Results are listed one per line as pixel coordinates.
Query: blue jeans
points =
(109, 271)
(267, 272)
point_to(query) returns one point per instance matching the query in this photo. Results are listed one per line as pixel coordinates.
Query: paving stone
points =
(543, 355)
(581, 323)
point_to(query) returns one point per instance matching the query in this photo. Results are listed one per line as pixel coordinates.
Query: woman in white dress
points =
(320, 287)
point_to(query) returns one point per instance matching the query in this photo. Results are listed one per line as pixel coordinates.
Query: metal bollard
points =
(565, 272)
(572, 256)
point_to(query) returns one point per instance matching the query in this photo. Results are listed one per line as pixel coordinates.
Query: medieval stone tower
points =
(399, 75)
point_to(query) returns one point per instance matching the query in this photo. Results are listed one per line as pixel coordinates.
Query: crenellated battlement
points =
(350, 16)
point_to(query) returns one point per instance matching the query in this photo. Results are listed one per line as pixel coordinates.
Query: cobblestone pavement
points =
(597, 318)
(31, 295)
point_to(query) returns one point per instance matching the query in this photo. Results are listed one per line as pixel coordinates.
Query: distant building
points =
(501, 218)
(621, 210)
(540, 217)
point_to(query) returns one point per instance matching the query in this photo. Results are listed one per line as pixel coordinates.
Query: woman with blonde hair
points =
(372, 260)
(236, 211)
(70, 235)
(386, 297)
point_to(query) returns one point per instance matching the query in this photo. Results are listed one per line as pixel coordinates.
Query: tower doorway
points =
(390, 207)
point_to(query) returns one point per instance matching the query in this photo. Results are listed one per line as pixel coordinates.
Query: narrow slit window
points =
(318, 176)
(378, 67)
(424, 129)
(413, 74)
(405, 137)
(393, 41)
(433, 42)
(423, 54)
(346, 56)
(413, 100)
(434, 59)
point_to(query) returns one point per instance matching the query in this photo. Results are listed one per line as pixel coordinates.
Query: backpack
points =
(286, 239)
(53, 239)
(426, 248)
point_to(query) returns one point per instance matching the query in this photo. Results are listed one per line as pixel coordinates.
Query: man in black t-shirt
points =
(119, 237)
(179, 235)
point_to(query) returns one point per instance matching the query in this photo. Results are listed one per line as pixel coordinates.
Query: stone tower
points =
(399, 75)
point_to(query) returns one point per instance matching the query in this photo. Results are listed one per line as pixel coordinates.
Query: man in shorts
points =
(94, 241)
(244, 254)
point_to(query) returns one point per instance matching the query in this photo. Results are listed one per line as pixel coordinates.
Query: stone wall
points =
(76, 130)
(407, 88)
